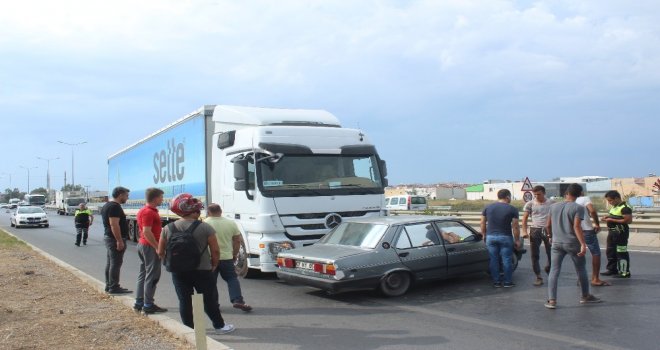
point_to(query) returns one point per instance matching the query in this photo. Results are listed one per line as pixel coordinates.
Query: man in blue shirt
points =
(500, 229)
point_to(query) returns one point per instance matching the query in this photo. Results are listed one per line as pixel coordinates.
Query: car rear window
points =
(418, 200)
(355, 234)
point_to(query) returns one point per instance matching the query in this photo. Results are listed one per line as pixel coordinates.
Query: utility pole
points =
(73, 179)
(48, 173)
(28, 172)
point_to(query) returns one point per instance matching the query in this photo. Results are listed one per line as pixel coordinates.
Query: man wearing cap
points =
(200, 278)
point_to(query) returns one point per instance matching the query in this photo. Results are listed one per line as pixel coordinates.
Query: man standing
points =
(83, 220)
(115, 235)
(150, 228)
(565, 230)
(200, 278)
(229, 240)
(538, 208)
(618, 219)
(499, 227)
(591, 238)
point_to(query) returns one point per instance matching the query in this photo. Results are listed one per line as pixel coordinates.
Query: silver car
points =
(387, 253)
(24, 216)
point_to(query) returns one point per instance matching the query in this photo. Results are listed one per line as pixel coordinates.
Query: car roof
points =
(403, 219)
(30, 207)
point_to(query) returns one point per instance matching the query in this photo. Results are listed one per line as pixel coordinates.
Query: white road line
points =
(527, 332)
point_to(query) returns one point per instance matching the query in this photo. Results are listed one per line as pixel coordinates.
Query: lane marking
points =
(508, 328)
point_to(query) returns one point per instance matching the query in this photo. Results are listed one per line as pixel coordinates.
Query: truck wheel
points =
(395, 284)
(132, 229)
(241, 264)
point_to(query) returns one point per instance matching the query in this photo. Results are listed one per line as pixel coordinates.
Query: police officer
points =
(83, 219)
(618, 219)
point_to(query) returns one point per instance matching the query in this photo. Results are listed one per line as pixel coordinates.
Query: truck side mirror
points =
(241, 176)
(383, 167)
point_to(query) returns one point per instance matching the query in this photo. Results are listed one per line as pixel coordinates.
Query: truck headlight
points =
(275, 247)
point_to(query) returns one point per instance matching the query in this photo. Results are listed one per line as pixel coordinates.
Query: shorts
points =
(591, 239)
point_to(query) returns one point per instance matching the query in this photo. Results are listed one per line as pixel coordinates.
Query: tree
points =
(69, 187)
(15, 193)
(40, 190)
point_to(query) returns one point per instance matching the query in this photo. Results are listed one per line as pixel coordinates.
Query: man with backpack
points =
(191, 253)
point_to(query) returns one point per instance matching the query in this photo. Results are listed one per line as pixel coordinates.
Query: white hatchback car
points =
(25, 216)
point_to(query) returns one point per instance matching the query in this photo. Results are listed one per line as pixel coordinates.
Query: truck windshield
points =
(74, 201)
(320, 173)
(37, 200)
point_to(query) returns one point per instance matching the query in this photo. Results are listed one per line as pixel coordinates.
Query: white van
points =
(406, 202)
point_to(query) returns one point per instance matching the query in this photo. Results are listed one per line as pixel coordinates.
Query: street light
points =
(48, 172)
(28, 171)
(73, 179)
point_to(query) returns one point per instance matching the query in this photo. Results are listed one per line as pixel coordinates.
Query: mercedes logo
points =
(332, 220)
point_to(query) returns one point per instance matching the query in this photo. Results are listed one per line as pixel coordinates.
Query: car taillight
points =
(286, 262)
(326, 269)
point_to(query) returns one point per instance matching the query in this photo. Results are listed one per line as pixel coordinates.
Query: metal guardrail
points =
(642, 221)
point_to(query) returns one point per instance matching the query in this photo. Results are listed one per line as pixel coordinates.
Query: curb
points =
(173, 326)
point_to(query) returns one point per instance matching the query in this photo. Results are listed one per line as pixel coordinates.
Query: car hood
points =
(324, 252)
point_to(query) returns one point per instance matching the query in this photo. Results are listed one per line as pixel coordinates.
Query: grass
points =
(7, 241)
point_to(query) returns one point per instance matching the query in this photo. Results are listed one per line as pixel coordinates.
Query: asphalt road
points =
(465, 313)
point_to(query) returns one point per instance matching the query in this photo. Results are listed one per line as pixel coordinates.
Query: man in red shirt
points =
(150, 228)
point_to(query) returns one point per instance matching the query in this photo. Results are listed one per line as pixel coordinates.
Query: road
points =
(465, 313)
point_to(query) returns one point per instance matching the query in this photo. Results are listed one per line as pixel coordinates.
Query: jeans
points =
(113, 264)
(203, 282)
(559, 251)
(500, 246)
(82, 232)
(148, 276)
(536, 237)
(227, 271)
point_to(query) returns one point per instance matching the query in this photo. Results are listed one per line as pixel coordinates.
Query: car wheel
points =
(46, 225)
(11, 223)
(241, 264)
(395, 284)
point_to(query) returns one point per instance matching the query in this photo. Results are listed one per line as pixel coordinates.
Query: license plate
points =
(305, 265)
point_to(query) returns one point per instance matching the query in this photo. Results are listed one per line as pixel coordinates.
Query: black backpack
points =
(182, 252)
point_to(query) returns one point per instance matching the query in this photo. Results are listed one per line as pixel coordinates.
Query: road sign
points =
(527, 185)
(528, 196)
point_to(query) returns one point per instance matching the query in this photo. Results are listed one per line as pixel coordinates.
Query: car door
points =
(420, 251)
(466, 251)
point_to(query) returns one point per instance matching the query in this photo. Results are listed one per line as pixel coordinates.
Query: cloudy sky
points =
(448, 90)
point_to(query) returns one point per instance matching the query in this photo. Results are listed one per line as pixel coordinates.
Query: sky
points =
(447, 90)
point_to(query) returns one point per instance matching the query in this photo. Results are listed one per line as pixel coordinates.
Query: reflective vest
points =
(616, 213)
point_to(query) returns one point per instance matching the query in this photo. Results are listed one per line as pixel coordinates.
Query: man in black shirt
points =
(115, 235)
(83, 220)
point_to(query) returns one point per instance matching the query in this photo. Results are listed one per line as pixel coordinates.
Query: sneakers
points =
(508, 284)
(228, 328)
(243, 306)
(620, 275)
(147, 310)
(590, 299)
(497, 285)
(550, 304)
(84, 243)
(118, 291)
(137, 308)
(77, 244)
(609, 273)
(538, 282)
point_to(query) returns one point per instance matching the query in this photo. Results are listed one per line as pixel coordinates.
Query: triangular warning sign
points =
(527, 185)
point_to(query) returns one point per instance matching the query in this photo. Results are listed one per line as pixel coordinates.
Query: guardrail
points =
(642, 221)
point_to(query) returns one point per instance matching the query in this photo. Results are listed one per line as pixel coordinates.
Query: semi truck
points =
(285, 176)
(68, 201)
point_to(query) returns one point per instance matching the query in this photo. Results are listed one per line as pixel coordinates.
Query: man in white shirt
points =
(591, 238)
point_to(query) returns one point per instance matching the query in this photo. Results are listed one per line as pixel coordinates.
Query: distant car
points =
(387, 253)
(25, 216)
(4, 206)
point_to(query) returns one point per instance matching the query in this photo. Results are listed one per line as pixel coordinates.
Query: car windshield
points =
(24, 210)
(355, 234)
